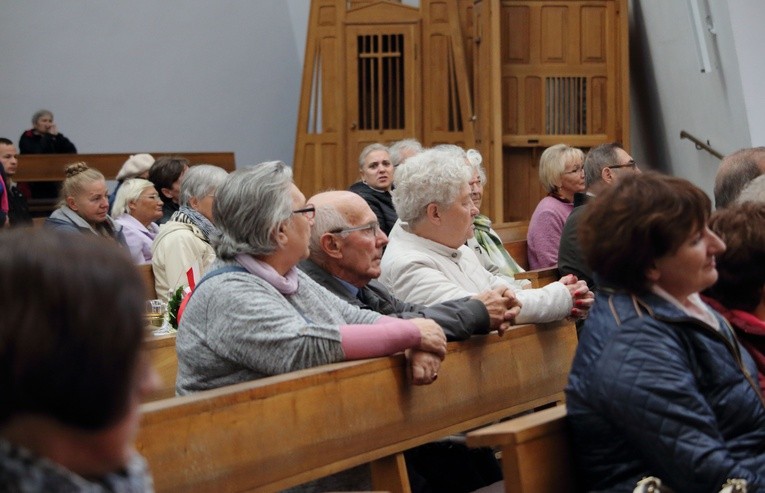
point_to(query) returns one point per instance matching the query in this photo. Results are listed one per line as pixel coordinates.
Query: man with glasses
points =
(345, 251)
(603, 166)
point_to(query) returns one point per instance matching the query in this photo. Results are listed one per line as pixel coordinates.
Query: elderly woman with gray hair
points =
(427, 261)
(136, 207)
(255, 314)
(376, 172)
(185, 241)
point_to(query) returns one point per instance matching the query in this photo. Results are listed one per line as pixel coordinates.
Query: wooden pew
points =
(50, 167)
(536, 456)
(162, 354)
(147, 275)
(513, 236)
(282, 431)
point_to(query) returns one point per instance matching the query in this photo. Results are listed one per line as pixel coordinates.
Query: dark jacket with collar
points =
(381, 204)
(31, 142)
(654, 392)
(570, 258)
(459, 318)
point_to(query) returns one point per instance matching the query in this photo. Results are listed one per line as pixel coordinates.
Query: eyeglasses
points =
(373, 227)
(153, 196)
(578, 169)
(629, 164)
(308, 211)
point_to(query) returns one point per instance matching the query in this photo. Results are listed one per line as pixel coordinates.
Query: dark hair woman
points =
(659, 385)
(71, 366)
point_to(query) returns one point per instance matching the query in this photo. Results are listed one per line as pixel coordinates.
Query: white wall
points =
(670, 94)
(748, 19)
(175, 75)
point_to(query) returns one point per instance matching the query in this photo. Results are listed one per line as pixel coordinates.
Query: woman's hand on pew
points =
(423, 367)
(432, 337)
(581, 296)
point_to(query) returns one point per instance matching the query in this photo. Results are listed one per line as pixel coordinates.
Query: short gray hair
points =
(370, 149)
(129, 191)
(597, 159)
(475, 158)
(327, 219)
(552, 164)
(401, 147)
(754, 191)
(39, 114)
(735, 172)
(249, 208)
(200, 181)
(435, 175)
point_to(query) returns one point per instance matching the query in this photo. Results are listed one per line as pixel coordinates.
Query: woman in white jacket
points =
(426, 260)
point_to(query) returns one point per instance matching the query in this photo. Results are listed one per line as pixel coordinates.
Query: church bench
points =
(282, 431)
(163, 357)
(536, 454)
(50, 167)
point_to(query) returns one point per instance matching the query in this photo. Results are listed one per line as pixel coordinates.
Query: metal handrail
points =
(700, 145)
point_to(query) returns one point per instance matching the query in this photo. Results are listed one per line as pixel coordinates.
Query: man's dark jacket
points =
(459, 318)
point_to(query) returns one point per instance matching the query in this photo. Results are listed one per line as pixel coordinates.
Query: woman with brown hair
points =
(84, 204)
(659, 385)
(71, 368)
(739, 293)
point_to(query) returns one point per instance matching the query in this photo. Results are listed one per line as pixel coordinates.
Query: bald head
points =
(735, 172)
(352, 255)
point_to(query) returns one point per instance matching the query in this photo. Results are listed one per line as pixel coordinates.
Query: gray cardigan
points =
(237, 327)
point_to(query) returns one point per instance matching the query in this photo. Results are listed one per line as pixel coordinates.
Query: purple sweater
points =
(545, 230)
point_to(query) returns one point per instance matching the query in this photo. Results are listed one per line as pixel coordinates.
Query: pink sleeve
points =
(385, 337)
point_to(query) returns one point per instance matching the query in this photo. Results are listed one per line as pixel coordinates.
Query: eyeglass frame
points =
(577, 169)
(308, 211)
(629, 164)
(374, 226)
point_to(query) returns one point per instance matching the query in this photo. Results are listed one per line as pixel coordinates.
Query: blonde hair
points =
(77, 176)
(552, 164)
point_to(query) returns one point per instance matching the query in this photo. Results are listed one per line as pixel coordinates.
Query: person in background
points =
(73, 373)
(84, 205)
(401, 150)
(604, 166)
(561, 172)
(486, 243)
(136, 207)
(166, 174)
(735, 172)
(659, 385)
(739, 293)
(376, 183)
(18, 209)
(3, 198)
(426, 260)
(136, 166)
(44, 137)
(257, 315)
(185, 241)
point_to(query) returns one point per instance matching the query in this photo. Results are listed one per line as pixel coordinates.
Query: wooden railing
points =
(282, 431)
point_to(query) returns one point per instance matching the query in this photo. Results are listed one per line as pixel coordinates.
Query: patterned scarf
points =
(188, 215)
(493, 247)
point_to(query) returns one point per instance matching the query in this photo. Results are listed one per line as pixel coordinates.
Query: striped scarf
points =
(493, 247)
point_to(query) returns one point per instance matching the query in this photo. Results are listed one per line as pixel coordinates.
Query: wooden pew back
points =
(285, 430)
(162, 354)
(50, 167)
(536, 454)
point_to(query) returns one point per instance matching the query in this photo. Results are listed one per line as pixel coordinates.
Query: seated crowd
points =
(663, 380)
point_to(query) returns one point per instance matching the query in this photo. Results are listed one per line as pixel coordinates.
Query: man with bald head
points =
(735, 172)
(345, 251)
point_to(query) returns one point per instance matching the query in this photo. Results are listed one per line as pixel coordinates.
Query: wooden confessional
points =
(508, 77)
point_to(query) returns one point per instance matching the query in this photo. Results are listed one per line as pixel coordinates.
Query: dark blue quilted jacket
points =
(653, 392)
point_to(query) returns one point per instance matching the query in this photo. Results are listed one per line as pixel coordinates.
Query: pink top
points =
(387, 336)
(545, 229)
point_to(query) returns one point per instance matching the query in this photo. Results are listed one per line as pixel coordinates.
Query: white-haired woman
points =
(561, 172)
(184, 241)
(427, 261)
(136, 207)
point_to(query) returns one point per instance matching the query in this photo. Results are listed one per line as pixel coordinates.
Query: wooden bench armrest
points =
(540, 277)
(521, 429)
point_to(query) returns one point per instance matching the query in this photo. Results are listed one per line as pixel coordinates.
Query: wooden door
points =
(382, 90)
